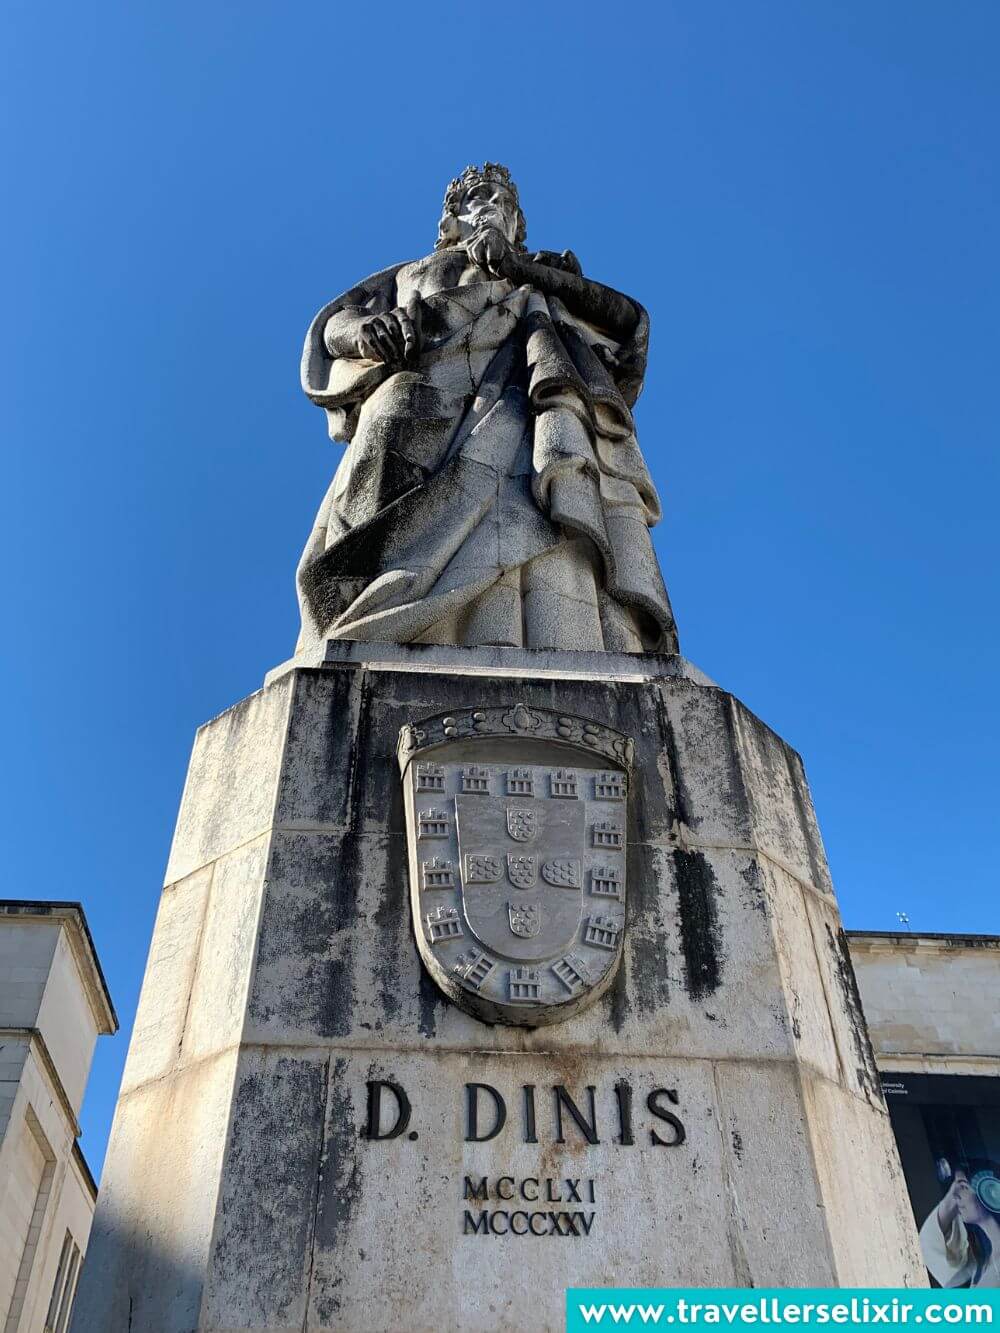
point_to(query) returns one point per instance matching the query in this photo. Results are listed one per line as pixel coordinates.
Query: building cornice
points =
(85, 1172)
(72, 917)
(37, 1044)
(886, 941)
(901, 1062)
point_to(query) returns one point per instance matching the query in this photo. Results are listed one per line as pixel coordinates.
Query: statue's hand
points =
(567, 261)
(393, 338)
(490, 250)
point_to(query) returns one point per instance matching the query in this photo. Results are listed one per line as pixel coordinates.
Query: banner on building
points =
(947, 1127)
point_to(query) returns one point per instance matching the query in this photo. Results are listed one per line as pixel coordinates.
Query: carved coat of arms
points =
(522, 823)
(516, 823)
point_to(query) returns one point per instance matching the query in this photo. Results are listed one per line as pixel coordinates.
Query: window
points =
(57, 1319)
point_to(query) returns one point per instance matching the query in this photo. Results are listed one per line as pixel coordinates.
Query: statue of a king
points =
(493, 491)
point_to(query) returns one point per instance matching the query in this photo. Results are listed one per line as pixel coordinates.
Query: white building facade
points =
(54, 1004)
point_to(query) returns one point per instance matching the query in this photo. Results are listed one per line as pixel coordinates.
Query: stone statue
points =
(493, 491)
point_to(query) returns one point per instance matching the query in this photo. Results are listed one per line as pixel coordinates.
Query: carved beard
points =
(452, 232)
(494, 217)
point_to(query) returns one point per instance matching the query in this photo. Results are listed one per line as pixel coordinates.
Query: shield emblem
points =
(525, 919)
(482, 868)
(562, 788)
(563, 871)
(522, 823)
(522, 871)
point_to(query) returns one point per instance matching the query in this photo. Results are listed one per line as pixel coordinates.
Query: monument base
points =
(311, 1136)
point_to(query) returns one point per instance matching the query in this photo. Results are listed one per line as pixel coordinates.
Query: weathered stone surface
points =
(222, 807)
(261, 1256)
(492, 492)
(150, 1245)
(397, 1207)
(164, 1004)
(515, 663)
(284, 980)
(845, 1138)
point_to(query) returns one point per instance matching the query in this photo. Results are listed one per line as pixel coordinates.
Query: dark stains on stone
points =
(756, 897)
(311, 1255)
(651, 985)
(338, 989)
(652, 807)
(360, 753)
(737, 1144)
(796, 1025)
(273, 1160)
(641, 889)
(379, 801)
(647, 941)
(843, 969)
(616, 999)
(810, 833)
(430, 1001)
(340, 1185)
(391, 919)
(706, 723)
(317, 749)
(347, 723)
(699, 923)
(682, 799)
(736, 794)
(305, 962)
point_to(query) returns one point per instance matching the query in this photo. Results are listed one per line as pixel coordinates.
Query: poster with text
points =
(947, 1128)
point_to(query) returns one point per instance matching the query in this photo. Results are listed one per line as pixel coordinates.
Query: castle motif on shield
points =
(516, 823)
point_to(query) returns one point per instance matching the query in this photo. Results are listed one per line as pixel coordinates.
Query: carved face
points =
(487, 203)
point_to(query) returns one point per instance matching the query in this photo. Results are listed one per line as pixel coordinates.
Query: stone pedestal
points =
(713, 1119)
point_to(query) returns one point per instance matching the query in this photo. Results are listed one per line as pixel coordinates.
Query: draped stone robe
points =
(493, 491)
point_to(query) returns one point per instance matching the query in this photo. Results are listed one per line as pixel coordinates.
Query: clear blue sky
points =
(804, 195)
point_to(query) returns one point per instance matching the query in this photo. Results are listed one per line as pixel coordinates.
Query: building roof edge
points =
(954, 939)
(73, 914)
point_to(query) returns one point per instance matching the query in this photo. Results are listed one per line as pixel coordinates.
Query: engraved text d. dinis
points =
(516, 823)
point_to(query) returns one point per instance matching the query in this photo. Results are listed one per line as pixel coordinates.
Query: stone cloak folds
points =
(493, 491)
